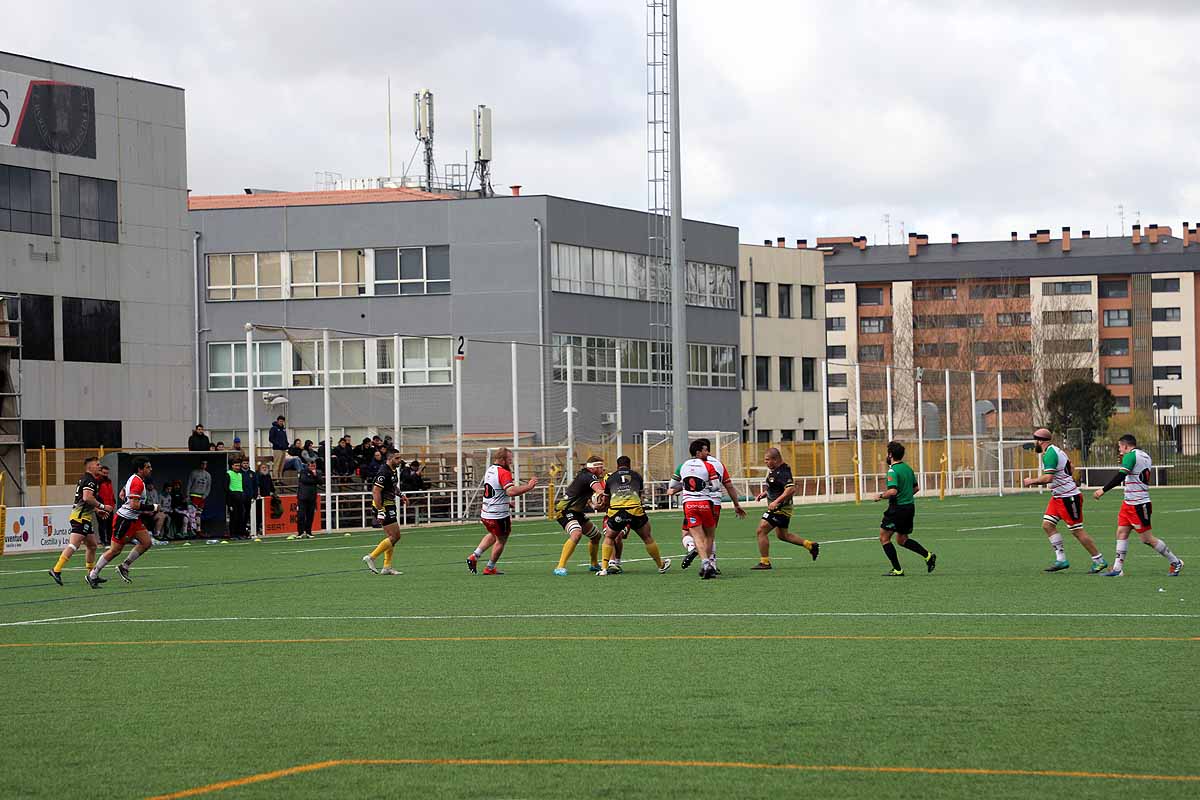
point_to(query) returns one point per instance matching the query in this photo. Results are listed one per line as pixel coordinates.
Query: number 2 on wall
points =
(460, 349)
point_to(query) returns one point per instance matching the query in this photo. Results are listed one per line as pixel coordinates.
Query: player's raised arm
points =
(512, 490)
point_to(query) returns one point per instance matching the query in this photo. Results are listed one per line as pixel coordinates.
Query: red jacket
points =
(106, 493)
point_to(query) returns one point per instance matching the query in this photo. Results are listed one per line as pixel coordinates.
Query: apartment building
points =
(782, 293)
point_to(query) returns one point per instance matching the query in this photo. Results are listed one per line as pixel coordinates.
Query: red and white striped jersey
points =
(496, 502)
(716, 488)
(696, 476)
(134, 487)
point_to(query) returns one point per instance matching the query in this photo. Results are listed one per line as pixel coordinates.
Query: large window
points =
(835, 323)
(412, 270)
(835, 351)
(1053, 288)
(1122, 404)
(837, 380)
(25, 200)
(785, 300)
(86, 434)
(88, 208)
(1162, 343)
(787, 369)
(425, 360)
(935, 293)
(762, 373)
(936, 349)
(869, 353)
(808, 374)
(870, 296)
(948, 321)
(1111, 289)
(227, 365)
(91, 330)
(348, 362)
(835, 296)
(1165, 315)
(643, 363)
(608, 273)
(38, 433)
(991, 291)
(708, 285)
(1083, 317)
(1059, 346)
(37, 327)
(1001, 348)
(1164, 284)
(1014, 319)
(742, 298)
(244, 276)
(328, 273)
(875, 324)
(1118, 376)
(806, 301)
(1165, 402)
(840, 408)
(352, 362)
(1168, 373)
(1114, 347)
(1116, 318)
(760, 299)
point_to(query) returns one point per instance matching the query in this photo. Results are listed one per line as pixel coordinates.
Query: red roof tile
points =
(334, 198)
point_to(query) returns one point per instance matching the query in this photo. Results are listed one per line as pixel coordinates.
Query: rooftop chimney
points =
(1066, 232)
(1187, 235)
(912, 245)
(802, 244)
(1153, 231)
(954, 238)
(1137, 234)
(781, 242)
(1043, 236)
(768, 243)
(1014, 236)
(1087, 234)
(861, 243)
(516, 190)
(1033, 237)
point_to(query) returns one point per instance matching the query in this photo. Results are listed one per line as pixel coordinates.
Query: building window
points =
(745, 373)
(1163, 343)
(808, 374)
(227, 365)
(37, 327)
(425, 360)
(928, 321)
(328, 273)
(787, 435)
(1059, 346)
(835, 351)
(412, 270)
(762, 373)
(308, 361)
(764, 436)
(840, 408)
(1004, 348)
(91, 330)
(38, 433)
(1118, 376)
(1114, 347)
(785, 300)
(760, 299)
(1164, 284)
(787, 367)
(837, 380)
(935, 293)
(643, 363)
(1083, 317)
(1121, 404)
(870, 296)
(1112, 289)
(244, 276)
(1057, 377)
(835, 296)
(1055, 288)
(1168, 373)
(1166, 402)
(810, 434)
(348, 362)
(1016, 376)
(87, 208)
(88, 434)
(870, 353)
(1116, 318)
(835, 323)
(1014, 319)
(1165, 315)
(936, 349)
(709, 285)
(742, 298)
(875, 324)
(806, 301)
(633, 276)
(992, 291)
(25, 201)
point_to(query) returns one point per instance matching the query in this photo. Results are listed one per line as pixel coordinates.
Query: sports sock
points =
(1056, 541)
(64, 557)
(387, 556)
(1164, 551)
(568, 549)
(889, 550)
(90, 565)
(133, 556)
(764, 560)
(915, 546)
(712, 547)
(607, 551)
(807, 544)
(1122, 549)
(689, 544)
(491, 565)
(101, 564)
(593, 551)
(477, 552)
(652, 549)
(385, 544)
(1098, 558)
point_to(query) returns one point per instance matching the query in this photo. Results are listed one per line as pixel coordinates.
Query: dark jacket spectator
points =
(363, 452)
(249, 482)
(307, 487)
(308, 484)
(279, 443)
(343, 458)
(199, 439)
(266, 485)
(308, 454)
(372, 467)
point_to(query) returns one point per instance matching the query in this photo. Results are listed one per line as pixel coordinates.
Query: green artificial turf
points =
(259, 657)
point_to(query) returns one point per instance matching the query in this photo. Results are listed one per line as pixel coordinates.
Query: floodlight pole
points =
(327, 519)
(1000, 429)
(679, 351)
(396, 390)
(825, 425)
(250, 449)
(620, 426)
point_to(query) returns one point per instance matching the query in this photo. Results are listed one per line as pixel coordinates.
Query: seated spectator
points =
(372, 467)
(159, 518)
(293, 461)
(177, 505)
(343, 457)
(362, 453)
(309, 455)
(220, 446)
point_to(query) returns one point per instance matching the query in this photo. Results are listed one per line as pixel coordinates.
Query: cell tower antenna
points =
(483, 149)
(1121, 214)
(423, 130)
(389, 125)
(887, 223)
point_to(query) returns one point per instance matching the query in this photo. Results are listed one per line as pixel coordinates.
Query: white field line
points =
(77, 569)
(1181, 510)
(66, 620)
(992, 527)
(982, 615)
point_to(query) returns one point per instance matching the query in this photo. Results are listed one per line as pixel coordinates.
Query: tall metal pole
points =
(920, 434)
(949, 441)
(679, 352)
(250, 449)
(862, 473)
(890, 429)
(1000, 430)
(620, 419)
(570, 410)
(752, 364)
(396, 390)
(825, 424)
(458, 439)
(974, 431)
(327, 516)
(516, 421)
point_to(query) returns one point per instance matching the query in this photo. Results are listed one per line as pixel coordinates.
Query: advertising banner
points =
(41, 114)
(286, 524)
(34, 529)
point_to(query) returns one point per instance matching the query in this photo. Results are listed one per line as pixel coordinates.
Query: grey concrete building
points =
(95, 255)
(373, 263)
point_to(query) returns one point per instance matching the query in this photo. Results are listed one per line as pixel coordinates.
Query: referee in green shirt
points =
(898, 519)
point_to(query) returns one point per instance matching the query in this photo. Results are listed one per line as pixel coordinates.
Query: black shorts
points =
(778, 519)
(81, 524)
(564, 517)
(389, 514)
(899, 519)
(623, 518)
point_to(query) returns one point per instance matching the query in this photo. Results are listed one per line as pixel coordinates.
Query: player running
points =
(496, 515)
(624, 491)
(1066, 503)
(84, 525)
(778, 488)
(571, 513)
(128, 524)
(1135, 510)
(898, 519)
(720, 482)
(692, 481)
(383, 500)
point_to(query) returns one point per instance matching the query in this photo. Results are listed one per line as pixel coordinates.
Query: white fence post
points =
(825, 424)
(862, 473)
(250, 444)
(1000, 428)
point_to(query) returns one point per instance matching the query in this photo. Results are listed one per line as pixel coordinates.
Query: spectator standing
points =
(237, 444)
(199, 484)
(249, 492)
(279, 443)
(265, 487)
(307, 486)
(233, 498)
(199, 439)
(108, 496)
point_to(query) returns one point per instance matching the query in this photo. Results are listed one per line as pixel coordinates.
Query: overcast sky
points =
(800, 118)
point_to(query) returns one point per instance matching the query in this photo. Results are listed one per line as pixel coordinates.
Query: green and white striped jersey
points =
(1135, 465)
(1056, 462)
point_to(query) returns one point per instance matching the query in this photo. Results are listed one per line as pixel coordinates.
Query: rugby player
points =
(499, 488)
(778, 488)
(83, 520)
(383, 501)
(721, 481)
(571, 513)
(128, 524)
(1066, 503)
(898, 518)
(623, 489)
(1134, 472)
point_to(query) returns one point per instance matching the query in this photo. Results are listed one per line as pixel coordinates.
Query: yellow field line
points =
(631, 762)
(648, 638)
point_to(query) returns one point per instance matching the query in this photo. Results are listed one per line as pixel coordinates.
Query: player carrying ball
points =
(571, 510)
(624, 490)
